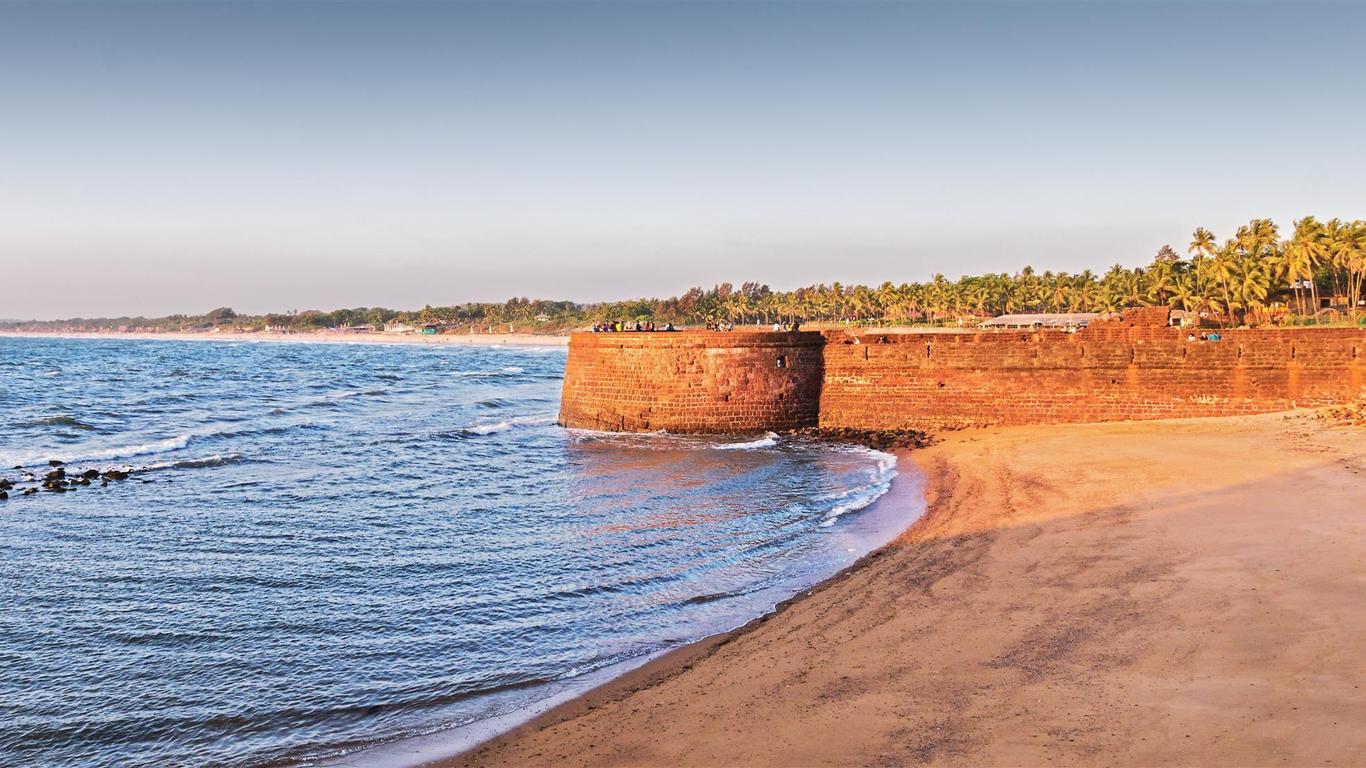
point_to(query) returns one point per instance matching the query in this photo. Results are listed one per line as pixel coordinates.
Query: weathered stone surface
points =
(1121, 370)
(696, 381)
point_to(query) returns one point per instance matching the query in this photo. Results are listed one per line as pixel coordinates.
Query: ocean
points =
(325, 548)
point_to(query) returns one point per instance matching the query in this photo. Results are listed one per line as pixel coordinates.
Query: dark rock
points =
(877, 439)
(115, 474)
(4, 495)
(56, 474)
(90, 474)
(5, 485)
(55, 463)
(30, 491)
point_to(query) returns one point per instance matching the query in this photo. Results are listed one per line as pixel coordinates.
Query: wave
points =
(767, 441)
(99, 454)
(861, 502)
(58, 421)
(151, 447)
(346, 394)
(507, 370)
(138, 449)
(215, 460)
(495, 403)
(858, 498)
(538, 420)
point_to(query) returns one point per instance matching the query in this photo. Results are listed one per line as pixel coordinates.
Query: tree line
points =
(1256, 276)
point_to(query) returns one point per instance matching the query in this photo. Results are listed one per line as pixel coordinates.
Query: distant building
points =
(1062, 321)
(542, 318)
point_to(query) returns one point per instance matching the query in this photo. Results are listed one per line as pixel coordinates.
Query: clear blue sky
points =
(175, 157)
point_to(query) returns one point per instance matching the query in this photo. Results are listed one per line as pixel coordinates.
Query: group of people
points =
(617, 326)
(1211, 336)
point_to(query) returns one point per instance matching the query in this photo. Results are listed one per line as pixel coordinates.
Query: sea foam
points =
(767, 441)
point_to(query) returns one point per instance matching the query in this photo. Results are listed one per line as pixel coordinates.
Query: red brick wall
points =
(1108, 372)
(729, 382)
(692, 381)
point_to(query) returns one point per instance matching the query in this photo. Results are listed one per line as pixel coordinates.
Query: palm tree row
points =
(1256, 276)
(1253, 277)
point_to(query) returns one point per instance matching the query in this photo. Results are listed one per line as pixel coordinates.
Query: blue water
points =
(324, 547)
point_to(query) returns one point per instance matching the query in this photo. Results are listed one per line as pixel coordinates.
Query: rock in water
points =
(55, 463)
(90, 474)
(4, 495)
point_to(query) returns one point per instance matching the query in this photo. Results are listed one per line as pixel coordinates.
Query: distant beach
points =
(329, 337)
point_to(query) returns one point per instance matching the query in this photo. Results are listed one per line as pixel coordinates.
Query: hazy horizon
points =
(164, 158)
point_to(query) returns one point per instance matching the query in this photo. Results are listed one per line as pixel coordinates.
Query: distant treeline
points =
(1314, 274)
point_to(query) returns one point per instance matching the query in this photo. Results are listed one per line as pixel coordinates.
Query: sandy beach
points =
(326, 337)
(1157, 593)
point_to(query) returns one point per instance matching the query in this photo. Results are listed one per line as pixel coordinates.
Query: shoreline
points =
(322, 337)
(653, 670)
(1072, 594)
(439, 748)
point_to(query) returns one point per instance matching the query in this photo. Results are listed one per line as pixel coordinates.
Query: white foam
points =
(536, 420)
(859, 498)
(767, 441)
(505, 370)
(206, 461)
(114, 452)
(489, 429)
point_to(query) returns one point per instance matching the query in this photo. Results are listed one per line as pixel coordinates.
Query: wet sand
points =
(1158, 593)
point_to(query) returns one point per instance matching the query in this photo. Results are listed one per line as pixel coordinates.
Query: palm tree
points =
(1202, 244)
(1346, 247)
(1252, 283)
(1162, 279)
(1304, 251)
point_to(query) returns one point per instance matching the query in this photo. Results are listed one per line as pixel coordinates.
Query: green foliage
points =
(1253, 277)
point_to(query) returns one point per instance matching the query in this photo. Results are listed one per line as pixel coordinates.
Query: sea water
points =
(324, 547)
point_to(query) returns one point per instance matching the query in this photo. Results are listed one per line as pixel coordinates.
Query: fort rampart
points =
(692, 381)
(1115, 370)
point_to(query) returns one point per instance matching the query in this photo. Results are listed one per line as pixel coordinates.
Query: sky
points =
(176, 157)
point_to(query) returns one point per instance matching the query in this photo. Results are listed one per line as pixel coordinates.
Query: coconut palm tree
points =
(1346, 247)
(1304, 251)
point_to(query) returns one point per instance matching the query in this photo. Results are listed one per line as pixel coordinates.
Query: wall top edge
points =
(696, 339)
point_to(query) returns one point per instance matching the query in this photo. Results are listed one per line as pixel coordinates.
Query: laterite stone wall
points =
(1108, 372)
(1117, 370)
(692, 381)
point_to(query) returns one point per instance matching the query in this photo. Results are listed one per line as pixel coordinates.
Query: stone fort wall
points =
(692, 381)
(1116, 370)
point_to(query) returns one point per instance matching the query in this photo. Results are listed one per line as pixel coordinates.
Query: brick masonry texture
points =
(1125, 369)
(692, 381)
